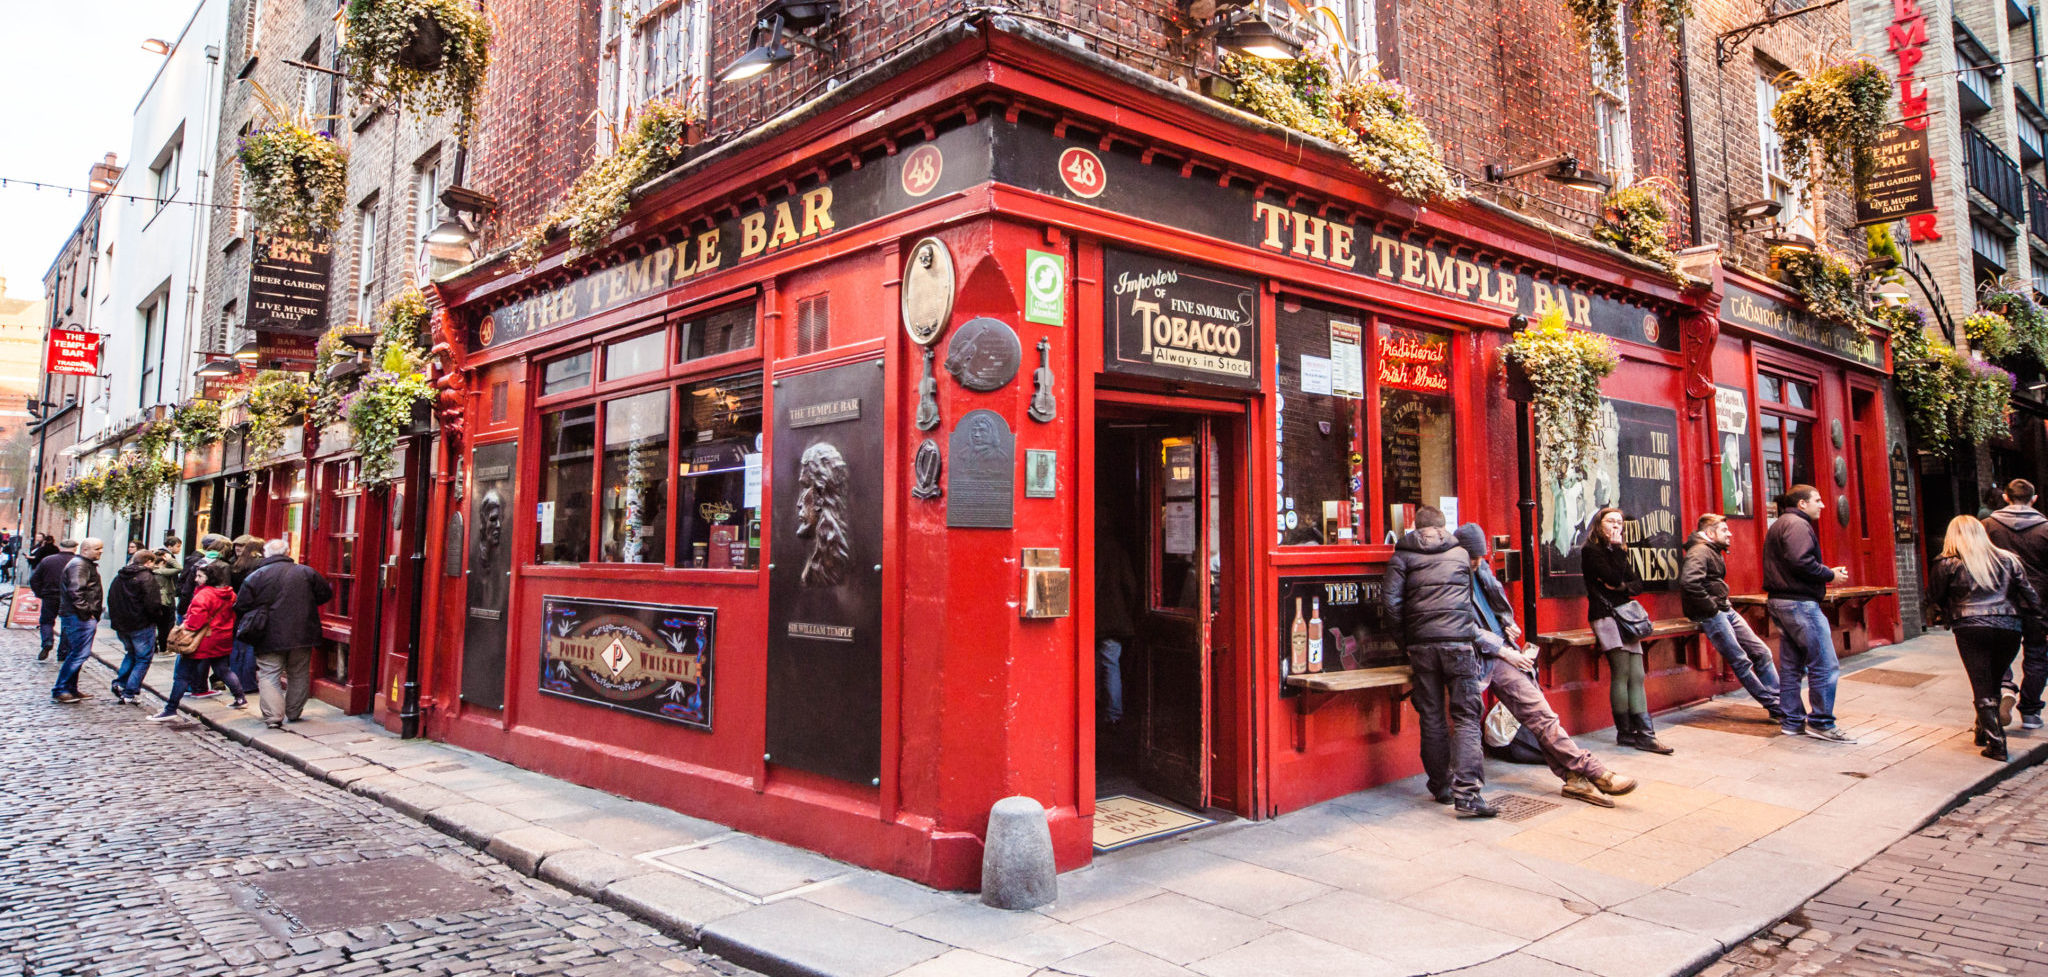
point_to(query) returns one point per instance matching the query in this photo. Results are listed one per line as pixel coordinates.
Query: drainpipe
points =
(1692, 166)
(423, 471)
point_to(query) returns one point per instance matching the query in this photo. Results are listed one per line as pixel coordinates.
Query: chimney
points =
(105, 175)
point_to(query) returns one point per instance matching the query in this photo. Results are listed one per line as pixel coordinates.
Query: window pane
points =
(718, 332)
(1799, 451)
(1799, 394)
(567, 373)
(1320, 500)
(1773, 428)
(631, 357)
(635, 486)
(568, 439)
(1418, 436)
(1770, 389)
(718, 489)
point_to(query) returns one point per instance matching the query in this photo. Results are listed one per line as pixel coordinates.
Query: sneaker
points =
(1832, 735)
(2030, 720)
(1476, 808)
(1791, 731)
(208, 694)
(163, 717)
(2006, 700)
(67, 698)
(238, 703)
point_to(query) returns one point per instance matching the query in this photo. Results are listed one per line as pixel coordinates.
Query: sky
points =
(70, 76)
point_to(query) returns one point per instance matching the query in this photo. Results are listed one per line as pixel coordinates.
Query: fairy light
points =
(8, 181)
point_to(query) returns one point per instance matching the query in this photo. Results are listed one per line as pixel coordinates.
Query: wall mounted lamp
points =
(1891, 293)
(779, 21)
(1237, 30)
(249, 352)
(1561, 170)
(225, 366)
(1755, 213)
(156, 45)
(1784, 237)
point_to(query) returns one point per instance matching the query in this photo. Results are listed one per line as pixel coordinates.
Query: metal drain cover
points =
(302, 901)
(1890, 676)
(1516, 807)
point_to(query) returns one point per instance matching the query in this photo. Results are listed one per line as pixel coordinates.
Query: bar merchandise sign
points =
(73, 353)
(650, 659)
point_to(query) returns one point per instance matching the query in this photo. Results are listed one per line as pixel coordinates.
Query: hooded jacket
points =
(1428, 592)
(213, 607)
(288, 596)
(1703, 578)
(2024, 531)
(133, 603)
(1793, 569)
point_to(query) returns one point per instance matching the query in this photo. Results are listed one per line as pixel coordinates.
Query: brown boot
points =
(1614, 783)
(1580, 789)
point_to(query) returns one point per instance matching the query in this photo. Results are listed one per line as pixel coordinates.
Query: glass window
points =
(568, 439)
(635, 488)
(632, 357)
(723, 331)
(1418, 438)
(649, 49)
(1322, 487)
(718, 487)
(1788, 456)
(567, 373)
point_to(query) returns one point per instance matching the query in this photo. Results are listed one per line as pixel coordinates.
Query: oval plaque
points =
(1841, 470)
(983, 354)
(927, 290)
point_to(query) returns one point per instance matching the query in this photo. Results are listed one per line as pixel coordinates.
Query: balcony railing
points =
(2037, 210)
(1994, 174)
(2030, 135)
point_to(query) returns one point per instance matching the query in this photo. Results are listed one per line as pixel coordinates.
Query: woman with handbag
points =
(1619, 626)
(206, 636)
(1982, 593)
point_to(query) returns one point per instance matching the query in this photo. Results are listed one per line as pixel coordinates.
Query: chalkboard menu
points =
(1904, 528)
(1353, 626)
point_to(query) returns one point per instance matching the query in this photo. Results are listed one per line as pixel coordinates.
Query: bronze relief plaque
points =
(927, 290)
(981, 476)
(984, 354)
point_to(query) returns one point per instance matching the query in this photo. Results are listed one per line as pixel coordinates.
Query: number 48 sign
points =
(1082, 172)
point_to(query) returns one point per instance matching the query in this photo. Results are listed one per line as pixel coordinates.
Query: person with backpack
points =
(1982, 593)
(2021, 530)
(213, 547)
(280, 619)
(134, 608)
(205, 636)
(1703, 587)
(1619, 625)
(1428, 600)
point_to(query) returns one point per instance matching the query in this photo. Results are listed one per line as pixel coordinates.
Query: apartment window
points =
(216, 339)
(152, 387)
(1610, 113)
(366, 260)
(252, 29)
(163, 174)
(649, 49)
(1784, 180)
(426, 198)
(309, 83)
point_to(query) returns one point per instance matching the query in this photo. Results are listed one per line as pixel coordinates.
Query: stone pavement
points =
(1967, 894)
(134, 848)
(1720, 842)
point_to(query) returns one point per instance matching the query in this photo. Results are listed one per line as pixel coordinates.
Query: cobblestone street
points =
(132, 848)
(1967, 894)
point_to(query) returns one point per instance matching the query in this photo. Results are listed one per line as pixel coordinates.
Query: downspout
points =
(1692, 170)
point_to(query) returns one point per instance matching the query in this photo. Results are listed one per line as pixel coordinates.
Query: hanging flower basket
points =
(1826, 282)
(197, 423)
(276, 401)
(296, 179)
(427, 56)
(1638, 221)
(1952, 402)
(1839, 112)
(1561, 369)
(655, 143)
(2025, 336)
(1372, 120)
(1598, 24)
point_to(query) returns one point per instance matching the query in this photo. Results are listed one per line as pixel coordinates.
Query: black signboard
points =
(649, 659)
(288, 284)
(825, 586)
(1901, 182)
(491, 506)
(1751, 309)
(1635, 467)
(1905, 525)
(1167, 319)
(1350, 620)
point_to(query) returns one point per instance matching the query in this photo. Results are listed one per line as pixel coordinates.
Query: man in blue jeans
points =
(1795, 582)
(135, 608)
(1703, 587)
(46, 581)
(2021, 529)
(78, 615)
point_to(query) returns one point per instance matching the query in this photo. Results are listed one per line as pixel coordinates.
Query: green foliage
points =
(1372, 120)
(197, 422)
(1952, 402)
(1598, 24)
(1827, 283)
(1564, 368)
(130, 483)
(1990, 334)
(1638, 221)
(380, 410)
(378, 33)
(1882, 245)
(1839, 110)
(597, 201)
(295, 179)
(2026, 327)
(276, 401)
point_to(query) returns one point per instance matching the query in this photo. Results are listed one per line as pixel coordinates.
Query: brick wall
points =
(537, 123)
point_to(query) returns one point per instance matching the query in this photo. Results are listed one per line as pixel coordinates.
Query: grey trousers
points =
(283, 680)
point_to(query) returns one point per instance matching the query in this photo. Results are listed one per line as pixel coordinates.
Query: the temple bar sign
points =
(288, 284)
(1901, 183)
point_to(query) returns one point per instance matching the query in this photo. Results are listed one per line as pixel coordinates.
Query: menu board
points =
(1904, 518)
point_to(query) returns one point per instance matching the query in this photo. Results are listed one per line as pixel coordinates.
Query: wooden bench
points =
(1318, 688)
(1837, 600)
(1553, 646)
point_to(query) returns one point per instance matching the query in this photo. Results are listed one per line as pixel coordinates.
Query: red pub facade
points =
(788, 507)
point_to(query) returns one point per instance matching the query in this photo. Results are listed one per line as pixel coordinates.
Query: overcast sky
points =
(70, 75)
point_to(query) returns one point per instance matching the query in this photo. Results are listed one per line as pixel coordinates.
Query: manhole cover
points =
(302, 901)
(1890, 676)
(1745, 720)
(1515, 807)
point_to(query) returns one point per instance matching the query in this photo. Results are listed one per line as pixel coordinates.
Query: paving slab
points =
(756, 867)
(474, 823)
(804, 939)
(1612, 945)
(588, 870)
(525, 848)
(1297, 955)
(1177, 929)
(675, 905)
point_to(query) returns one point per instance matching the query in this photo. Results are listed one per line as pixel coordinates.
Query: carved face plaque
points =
(820, 513)
(984, 354)
(927, 290)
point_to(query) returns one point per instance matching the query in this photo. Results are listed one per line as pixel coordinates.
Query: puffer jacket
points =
(1611, 578)
(213, 607)
(133, 603)
(2022, 530)
(1428, 591)
(1955, 598)
(1703, 579)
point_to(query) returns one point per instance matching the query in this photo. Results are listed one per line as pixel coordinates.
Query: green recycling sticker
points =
(1045, 288)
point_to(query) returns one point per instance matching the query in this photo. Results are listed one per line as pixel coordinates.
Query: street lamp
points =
(1561, 170)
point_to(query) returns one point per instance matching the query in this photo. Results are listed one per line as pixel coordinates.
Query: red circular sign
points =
(1082, 172)
(921, 169)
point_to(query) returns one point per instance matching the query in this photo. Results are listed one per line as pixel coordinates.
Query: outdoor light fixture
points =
(1754, 213)
(220, 367)
(156, 45)
(249, 352)
(344, 369)
(1561, 170)
(779, 21)
(1789, 239)
(451, 231)
(1255, 38)
(1891, 293)
(360, 339)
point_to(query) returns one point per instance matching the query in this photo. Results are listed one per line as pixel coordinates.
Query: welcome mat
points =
(1122, 820)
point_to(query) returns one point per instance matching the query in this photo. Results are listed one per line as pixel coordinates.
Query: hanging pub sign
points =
(649, 659)
(1175, 321)
(1341, 619)
(1901, 182)
(1635, 468)
(1731, 424)
(72, 353)
(1751, 309)
(221, 388)
(288, 284)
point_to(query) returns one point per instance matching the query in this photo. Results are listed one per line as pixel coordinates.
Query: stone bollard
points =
(1016, 864)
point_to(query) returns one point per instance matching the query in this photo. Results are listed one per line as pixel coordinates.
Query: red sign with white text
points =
(73, 353)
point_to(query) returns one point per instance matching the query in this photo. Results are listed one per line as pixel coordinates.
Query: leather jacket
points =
(1954, 597)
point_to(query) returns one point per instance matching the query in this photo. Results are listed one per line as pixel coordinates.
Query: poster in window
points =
(649, 659)
(1634, 467)
(1347, 359)
(491, 509)
(1731, 427)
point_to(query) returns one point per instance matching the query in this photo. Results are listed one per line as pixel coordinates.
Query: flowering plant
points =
(2025, 330)
(1372, 120)
(1826, 282)
(275, 401)
(296, 179)
(1839, 111)
(1598, 23)
(653, 144)
(1563, 368)
(380, 410)
(197, 422)
(1639, 222)
(1952, 402)
(424, 55)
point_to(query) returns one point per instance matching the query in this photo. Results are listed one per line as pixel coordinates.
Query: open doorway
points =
(1168, 688)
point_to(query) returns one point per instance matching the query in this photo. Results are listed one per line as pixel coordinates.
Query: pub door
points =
(1164, 555)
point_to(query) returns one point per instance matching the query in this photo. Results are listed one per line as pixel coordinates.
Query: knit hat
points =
(1473, 539)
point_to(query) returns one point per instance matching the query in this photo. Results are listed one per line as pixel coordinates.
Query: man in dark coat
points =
(1703, 589)
(2020, 528)
(46, 581)
(80, 603)
(277, 611)
(1795, 581)
(1428, 595)
(135, 608)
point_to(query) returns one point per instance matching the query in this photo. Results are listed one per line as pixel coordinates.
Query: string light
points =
(7, 181)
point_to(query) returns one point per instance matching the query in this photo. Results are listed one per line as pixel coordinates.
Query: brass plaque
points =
(984, 355)
(927, 290)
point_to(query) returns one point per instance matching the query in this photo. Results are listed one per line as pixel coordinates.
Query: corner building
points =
(786, 507)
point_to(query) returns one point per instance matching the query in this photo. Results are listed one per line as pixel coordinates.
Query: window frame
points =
(367, 279)
(1782, 410)
(1780, 182)
(622, 75)
(1613, 120)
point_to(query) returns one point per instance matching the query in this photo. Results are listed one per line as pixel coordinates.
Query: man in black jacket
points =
(277, 611)
(1795, 581)
(135, 607)
(79, 606)
(1703, 588)
(1428, 595)
(46, 581)
(2020, 528)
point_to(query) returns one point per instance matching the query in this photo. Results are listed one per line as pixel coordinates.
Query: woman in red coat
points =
(213, 609)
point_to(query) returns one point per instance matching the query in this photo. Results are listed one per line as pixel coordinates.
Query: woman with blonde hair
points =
(1981, 592)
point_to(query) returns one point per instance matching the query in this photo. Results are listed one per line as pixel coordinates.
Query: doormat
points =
(1890, 676)
(1122, 820)
(1516, 807)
